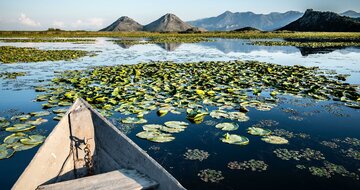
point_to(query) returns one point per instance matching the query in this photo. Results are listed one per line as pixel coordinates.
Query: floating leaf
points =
(33, 140)
(40, 113)
(20, 128)
(133, 120)
(5, 152)
(227, 126)
(38, 121)
(235, 139)
(15, 137)
(21, 117)
(258, 131)
(275, 140)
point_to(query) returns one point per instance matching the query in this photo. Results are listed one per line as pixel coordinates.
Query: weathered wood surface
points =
(111, 150)
(120, 179)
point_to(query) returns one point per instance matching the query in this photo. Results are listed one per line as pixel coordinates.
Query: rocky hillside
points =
(168, 23)
(324, 22)
(231, 21)
(124, 24)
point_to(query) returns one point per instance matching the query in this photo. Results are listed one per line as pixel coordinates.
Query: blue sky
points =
(96, 14)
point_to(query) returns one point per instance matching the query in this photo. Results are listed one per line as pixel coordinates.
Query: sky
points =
(97, 14)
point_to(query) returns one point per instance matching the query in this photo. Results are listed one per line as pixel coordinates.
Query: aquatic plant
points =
(268, 123)
(253, 165)
(275, 140)
(330, 169)
(196, 154)
(235, 139)
(227, 126)
(209, 175)
(307, 44)
(19, 142)
(307, 154)
(9, 54)
(329, 144)
(351, 153)
(296, 118)
(258, 131)
(47, 40)
(12, 75)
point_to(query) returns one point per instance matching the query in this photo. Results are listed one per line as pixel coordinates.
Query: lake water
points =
(322, 121)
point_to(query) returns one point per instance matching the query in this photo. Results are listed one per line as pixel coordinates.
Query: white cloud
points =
(92, 22)
(23, 19)
(59, 24)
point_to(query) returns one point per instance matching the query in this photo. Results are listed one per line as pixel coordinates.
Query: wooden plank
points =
(119, 179)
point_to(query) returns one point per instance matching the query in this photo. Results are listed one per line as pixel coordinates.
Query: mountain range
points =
(228, 21)
(166, 23)
(244, 21)
(317, 21)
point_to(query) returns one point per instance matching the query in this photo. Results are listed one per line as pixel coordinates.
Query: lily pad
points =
(40, 113)
(176, 124)
(151, 127)
(33, 140)
(258, 131)
(275, 140)
(61, 110)
(20, 128)
(133, 120)
(21, 117)
(15, 137)
(20, 146)
(38, 121)
(5, 152)
(235, 139)
(227, 126)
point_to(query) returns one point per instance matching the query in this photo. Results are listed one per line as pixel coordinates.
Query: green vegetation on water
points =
(48, 40)
(307, 44)
(156, 40)
(244, 35)
(11, 75)
(9, 54)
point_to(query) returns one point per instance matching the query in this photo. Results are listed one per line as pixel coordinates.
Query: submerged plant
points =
(307, 154)
(209, 175)
(196, 154)
(253, 165)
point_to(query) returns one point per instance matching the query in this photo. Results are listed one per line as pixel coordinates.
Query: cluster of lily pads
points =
(196, 154)
(19, 140)
(48, 40)
(23, 132)
(10, 54)
(11, 75)
(307, 154)
(253, 165)
(307, 44)
(162, 133)
(209, 175)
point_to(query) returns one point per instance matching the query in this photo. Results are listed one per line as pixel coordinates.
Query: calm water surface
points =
(323, 121)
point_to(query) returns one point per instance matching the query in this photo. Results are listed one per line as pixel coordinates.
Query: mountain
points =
(124, 24)
(232, 21)
(168, 23)
(324, 22)
(351, 14)
(247, 29)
